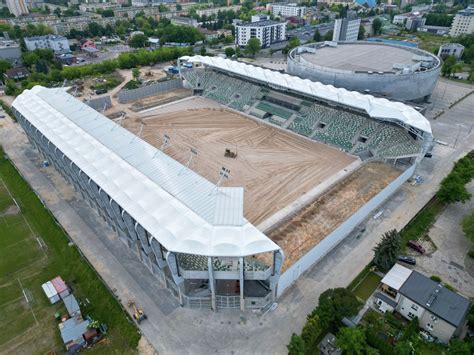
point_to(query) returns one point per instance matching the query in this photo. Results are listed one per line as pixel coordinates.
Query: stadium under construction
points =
(296, 166)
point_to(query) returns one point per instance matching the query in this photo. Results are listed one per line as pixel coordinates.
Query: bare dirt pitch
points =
(318, 219)
(274, 167)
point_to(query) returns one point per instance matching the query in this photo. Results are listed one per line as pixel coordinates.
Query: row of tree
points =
(45, 71)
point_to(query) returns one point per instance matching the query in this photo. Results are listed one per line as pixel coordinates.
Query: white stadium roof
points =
(182, 210)
(375, 107)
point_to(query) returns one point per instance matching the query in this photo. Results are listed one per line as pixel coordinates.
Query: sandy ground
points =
(274, 167)
(311, 225)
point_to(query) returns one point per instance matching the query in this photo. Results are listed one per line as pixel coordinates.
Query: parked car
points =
(100, 91)
(407, 259)
(416, 246)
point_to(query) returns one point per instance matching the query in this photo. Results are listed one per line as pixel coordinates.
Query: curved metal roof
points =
(375, 107)
(182, 210)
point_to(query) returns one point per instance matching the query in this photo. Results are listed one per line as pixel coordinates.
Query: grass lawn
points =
(367, 286)
(30, 327)
(421, 223)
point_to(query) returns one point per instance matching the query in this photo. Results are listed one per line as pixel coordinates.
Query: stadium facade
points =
(387, 70)
(189, 232)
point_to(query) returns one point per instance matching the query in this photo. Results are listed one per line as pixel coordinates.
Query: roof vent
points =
(434, 295)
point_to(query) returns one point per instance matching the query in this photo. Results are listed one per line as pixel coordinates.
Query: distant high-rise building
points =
(463, 22)
(17, 7)
(346, 29)
(286, 10)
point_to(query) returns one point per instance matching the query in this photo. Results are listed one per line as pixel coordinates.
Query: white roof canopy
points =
(182, 210)
(375, 107)
(396, 277)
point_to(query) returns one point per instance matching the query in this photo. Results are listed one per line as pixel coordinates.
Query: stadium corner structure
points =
(191, 233)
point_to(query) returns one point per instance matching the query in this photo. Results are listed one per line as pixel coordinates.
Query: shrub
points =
(470, 253)
(435, 278)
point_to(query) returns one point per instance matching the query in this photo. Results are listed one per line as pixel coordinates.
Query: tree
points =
(352, 341)
(136, 74)
(317, 36)
(296, 345)
(387, 250)
(468, 226)
(311, 331)
(57, 11)
(459, 347)
(229, 52)
(42, 66)
(328, 35)
(448, 65)
(377, 26)
(252, 47)
(4, 66)
(335, 304)
(11, 88)
(293, 42)
(361, 34)
(29, 58)
(453, 189)
(138, 41)
(203, 51)
(411, 331)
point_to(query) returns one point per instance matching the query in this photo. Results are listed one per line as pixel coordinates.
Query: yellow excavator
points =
(138, 313)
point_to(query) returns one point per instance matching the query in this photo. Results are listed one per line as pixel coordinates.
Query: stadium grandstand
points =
(358, 124)
(203, 240)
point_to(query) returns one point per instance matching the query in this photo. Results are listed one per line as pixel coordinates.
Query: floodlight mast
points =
(193, 153)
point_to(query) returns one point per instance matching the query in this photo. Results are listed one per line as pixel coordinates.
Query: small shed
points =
(71, 305)
(60, 286)
(72, 331)
(50, 292)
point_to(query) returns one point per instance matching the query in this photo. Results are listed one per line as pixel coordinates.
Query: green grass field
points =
(30, 327)
(367, 286)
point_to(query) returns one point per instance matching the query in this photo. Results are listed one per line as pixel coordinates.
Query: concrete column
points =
(178, 280)
(241, 280)
(210, 269)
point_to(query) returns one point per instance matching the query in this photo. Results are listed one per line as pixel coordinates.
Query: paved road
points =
(176, 330)
(450, 261)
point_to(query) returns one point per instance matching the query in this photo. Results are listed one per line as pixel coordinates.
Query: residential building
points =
(286, 10)
(10, 50)
(35, 4)
(150, 2)
(259, 17)
(454, 49)
(16, 74)
(411, 21)
(267, 31)
(58, 44)
(17, 7)
(440, 311)
(184, 21)
(415, 22)
(346, 29)
(463, 22)
(328, 346)
(215, 10)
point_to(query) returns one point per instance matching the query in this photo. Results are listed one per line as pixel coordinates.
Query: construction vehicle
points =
(230, 154)
(138, 313)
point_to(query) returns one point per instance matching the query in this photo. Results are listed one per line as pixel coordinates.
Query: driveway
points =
(450, 261)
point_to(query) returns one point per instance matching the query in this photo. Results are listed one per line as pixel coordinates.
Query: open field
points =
(275, 168)
(312, 224)
(30, 327)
